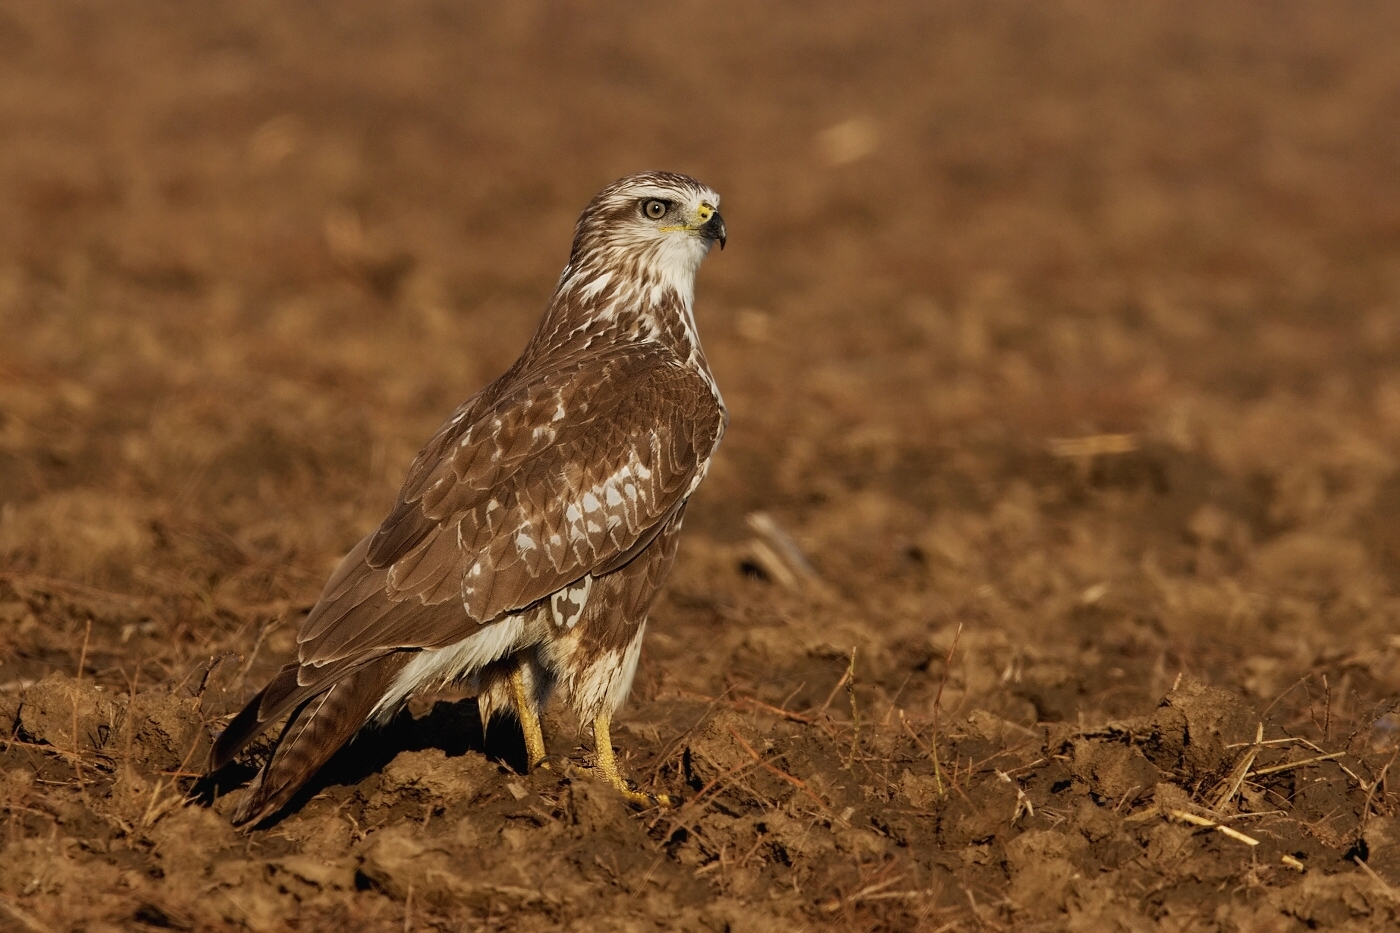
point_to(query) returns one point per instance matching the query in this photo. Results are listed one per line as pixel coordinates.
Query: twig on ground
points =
(758, 704)
(209, 667)
(894, 701)
(904, 721)
(1290, 740)
(1231, 785)
(938, 709)
(1380, 882)
(1023, 803)
(876, 892)
(672, 816)
(1290, 765)
(779, 772)
(778, 554)
(1185, 817)
(1128, 794)
(1327, 715)
(855, 709)
(715, 782)
(976, 911)
(157, 807)
(1025, 767)
(740, 702)
(1371, 793)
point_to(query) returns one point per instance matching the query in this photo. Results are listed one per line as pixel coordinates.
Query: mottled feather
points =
(467, 544)
(326, 722)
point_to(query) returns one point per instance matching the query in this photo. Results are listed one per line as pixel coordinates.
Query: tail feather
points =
(315, 732)
(271, 702)
(294, 684)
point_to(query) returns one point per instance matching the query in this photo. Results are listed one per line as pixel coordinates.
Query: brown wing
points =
(516, 497)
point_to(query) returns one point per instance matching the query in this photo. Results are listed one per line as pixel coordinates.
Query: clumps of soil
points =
(1070, 829)
(1196, 728)
(157, 731)
(789, 818)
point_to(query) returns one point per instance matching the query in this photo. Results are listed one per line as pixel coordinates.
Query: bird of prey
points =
(534, 529)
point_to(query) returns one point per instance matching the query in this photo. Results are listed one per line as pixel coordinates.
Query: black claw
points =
(556, 763)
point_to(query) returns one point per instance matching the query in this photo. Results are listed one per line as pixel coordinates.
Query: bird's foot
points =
(606, 763)
(628, 789)
(606, 768)
(647, 801)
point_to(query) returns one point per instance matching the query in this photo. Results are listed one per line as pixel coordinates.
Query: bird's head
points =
(653, 226)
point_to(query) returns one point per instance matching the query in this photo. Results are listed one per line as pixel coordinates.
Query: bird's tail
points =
(271, 703)
(315, 731)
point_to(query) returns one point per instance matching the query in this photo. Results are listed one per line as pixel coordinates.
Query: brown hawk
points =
(536, 526)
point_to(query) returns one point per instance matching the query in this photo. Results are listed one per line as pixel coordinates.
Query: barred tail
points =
(315, 732)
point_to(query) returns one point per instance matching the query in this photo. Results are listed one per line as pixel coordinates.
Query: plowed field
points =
(1048, 576)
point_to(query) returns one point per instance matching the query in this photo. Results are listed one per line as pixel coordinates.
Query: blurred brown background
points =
(1077, 323)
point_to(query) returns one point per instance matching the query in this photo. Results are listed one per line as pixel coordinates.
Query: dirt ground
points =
(1063, 340)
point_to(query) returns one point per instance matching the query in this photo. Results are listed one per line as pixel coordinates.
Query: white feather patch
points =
(566, 605)
(434, 666)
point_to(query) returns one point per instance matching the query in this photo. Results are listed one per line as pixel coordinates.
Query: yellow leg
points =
(529, 719)
(607, 766)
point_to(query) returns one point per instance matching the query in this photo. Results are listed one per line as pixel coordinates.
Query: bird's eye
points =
(654, 209)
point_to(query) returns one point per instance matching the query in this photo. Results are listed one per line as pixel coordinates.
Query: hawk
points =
(534, 529)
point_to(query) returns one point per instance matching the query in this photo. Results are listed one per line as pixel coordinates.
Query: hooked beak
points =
(713, 229)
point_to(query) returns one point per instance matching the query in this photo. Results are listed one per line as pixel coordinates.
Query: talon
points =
(646, 800)
(556, 763)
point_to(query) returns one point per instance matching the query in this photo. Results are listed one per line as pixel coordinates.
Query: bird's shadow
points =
(452, 726)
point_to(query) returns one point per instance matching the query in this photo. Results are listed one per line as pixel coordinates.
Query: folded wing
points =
(570, 472)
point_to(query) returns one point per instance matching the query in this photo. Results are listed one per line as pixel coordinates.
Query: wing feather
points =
(573, 471)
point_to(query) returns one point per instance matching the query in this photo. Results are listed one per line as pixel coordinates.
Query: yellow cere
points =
(702, 213)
